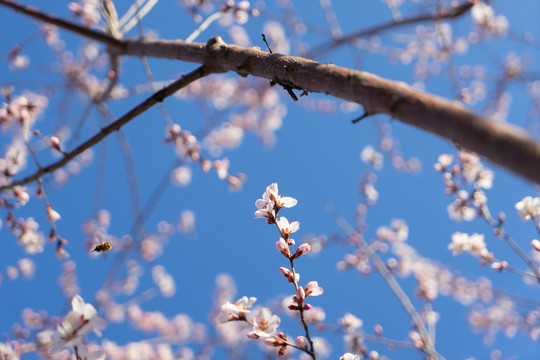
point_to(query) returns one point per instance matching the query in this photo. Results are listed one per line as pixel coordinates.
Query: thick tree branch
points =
(503, 144)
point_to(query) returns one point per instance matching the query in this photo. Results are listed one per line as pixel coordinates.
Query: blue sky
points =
(315, 159)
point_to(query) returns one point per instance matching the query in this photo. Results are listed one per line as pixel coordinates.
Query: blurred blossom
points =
(349, 356)
(87, 10)
(528, 207)
(444, 162)
(370, 192)
(349, 322)
(186, 224)
(239, 36)
(484, 16)
(164, 281)
(236, 310)
(322, 347)
(275, 35)
(27, 267)
(80, 321)
(19, 62)
(372, 157)
(12, 272)
(473, 244)
(151, 248)
(29, 237)
(315, 315)
(181, 176)
(226, 137)
(68, 280)
(461, 208)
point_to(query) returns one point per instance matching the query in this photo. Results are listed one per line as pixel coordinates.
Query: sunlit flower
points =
(264, 323)
(302, 250)
(271, 202)
(313, 289)
(237, 310)
(286, 227)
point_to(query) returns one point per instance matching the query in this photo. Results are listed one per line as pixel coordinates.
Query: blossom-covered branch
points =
(377, 95)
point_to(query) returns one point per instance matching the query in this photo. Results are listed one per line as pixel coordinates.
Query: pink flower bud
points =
(252, 335)
(55, 142)
(499, 265)
(283, 248)
(52, 215)
(270, 341)
(300, 296)
(535, 244)
(302, 249)
(301, 342)
(289, 275)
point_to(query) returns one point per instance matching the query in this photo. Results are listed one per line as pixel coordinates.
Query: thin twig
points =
(487, 216)
(391, 281)
(204, 25)
(450, 13)
(157, 97)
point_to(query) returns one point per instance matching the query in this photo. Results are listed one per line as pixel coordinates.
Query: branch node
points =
(211, 57)
(362, 117)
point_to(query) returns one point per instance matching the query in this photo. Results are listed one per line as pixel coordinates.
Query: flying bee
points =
(102, 247)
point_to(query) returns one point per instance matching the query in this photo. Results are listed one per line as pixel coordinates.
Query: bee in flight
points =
(102, 247)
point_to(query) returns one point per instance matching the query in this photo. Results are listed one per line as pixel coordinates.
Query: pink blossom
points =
(271, 201)
(289, 275)
(300, 296)
(286, 227)
(528, 207)
(313, 289)
(372, 157)
(349, 356)
(236, 310)
(265, 324)
(302, 342)
(535, 245)
(80, 321)
(52, 215)
(283, 248)
(302, 250)
(350, 322)
(473, 244)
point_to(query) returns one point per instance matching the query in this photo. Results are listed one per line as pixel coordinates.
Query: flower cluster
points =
(187, 147)
(265, 324)
(467, 171)
(473, 244)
